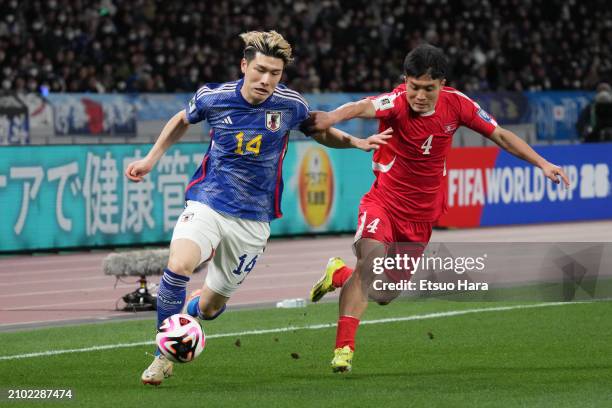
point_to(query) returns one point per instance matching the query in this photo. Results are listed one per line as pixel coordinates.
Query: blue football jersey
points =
(241, 174)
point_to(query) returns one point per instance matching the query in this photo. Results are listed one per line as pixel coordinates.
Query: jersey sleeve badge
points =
(485, 116)
(384, 102)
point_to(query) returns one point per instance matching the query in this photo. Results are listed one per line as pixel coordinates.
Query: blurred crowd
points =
(339, 45)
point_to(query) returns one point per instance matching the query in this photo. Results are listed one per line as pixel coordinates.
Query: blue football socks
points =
(171, 295)
(193, 308)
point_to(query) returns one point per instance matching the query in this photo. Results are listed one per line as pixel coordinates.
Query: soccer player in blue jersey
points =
(236, 191)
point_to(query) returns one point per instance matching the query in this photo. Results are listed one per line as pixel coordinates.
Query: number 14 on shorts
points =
(246, 264)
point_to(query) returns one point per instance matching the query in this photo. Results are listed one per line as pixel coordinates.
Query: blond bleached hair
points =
(268, 43)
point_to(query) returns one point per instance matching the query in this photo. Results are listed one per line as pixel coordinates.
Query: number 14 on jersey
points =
(252, 145)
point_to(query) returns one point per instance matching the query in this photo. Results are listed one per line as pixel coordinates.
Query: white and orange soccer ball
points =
(180, 338)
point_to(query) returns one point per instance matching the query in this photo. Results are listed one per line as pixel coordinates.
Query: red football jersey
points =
(410, 170)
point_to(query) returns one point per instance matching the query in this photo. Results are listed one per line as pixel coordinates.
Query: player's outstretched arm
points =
(359, 109)
(516, 146)
(339, 139)
(170, 134)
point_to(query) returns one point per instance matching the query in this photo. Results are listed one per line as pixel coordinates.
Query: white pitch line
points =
(64, 291)
(77, 269)
(52, 281)
(35, 262)
(295, 328)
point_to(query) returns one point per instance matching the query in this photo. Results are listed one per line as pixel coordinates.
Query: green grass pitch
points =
(554, 356)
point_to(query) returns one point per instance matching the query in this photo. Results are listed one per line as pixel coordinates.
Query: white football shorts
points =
(238, 244)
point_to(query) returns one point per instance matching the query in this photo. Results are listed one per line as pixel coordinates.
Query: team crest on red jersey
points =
(273, 120)
(450, 128)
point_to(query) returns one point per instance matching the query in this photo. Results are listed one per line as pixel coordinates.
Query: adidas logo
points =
(228, 121)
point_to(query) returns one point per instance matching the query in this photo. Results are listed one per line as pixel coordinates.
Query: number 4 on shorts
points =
(372, 226)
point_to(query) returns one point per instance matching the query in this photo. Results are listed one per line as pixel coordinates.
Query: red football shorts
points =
(376, 223)
(399, 235)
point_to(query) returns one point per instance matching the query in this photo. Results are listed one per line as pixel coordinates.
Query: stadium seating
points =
(350, 46)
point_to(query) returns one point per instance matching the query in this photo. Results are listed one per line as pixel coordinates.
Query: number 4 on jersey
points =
(427, 145)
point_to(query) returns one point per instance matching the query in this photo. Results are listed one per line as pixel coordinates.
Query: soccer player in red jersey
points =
(407, 197)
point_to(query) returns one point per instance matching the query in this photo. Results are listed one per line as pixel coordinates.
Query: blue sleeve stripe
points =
(208, 95)
(214, 86)
(292, 98)
(289, 92)
(205, 90)
(216, 91)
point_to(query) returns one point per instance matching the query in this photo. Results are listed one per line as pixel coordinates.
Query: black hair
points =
(426, 60)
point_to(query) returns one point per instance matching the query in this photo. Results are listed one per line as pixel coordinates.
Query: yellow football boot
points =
(325, 284)
(343, 360)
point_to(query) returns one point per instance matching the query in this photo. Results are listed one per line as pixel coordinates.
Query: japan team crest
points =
(273, 120)
(186, 217)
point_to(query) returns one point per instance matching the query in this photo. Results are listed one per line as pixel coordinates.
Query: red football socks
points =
(340, 276)
(345, 334)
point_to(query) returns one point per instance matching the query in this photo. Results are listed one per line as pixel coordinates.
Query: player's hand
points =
(375, 141)
(136, 170)
(319, 120)
(555, 173)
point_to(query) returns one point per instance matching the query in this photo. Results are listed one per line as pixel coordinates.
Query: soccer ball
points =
(180, 338)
